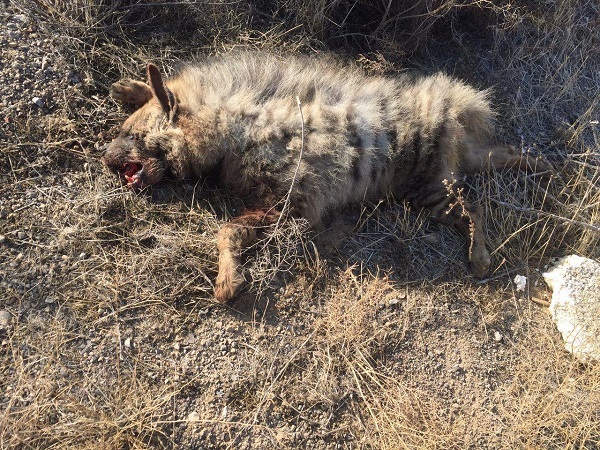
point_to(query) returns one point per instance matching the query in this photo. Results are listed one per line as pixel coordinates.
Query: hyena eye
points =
(132, 137)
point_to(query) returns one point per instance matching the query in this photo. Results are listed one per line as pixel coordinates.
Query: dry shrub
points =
(348, 364)
(278, 253)
(55, 402)
(551, 401)
(398, 26)
(549, 63)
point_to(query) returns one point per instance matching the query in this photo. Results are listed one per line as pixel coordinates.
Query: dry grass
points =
(371, 335)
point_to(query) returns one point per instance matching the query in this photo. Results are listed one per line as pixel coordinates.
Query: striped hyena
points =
(350, 137)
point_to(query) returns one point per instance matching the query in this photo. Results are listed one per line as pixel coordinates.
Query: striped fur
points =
(365, 137)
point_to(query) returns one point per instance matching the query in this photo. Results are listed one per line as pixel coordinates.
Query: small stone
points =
(193, 417)
(49, 300)
(20, 18)
(497, 336)
(520, 282)
(190, 339)
(37, 101)
(2, 238)
(5, 319)
(45, 62)
(393, 302)
(128, 342)
(432, 238)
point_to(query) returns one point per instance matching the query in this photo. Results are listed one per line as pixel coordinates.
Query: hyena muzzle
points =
(316, 132)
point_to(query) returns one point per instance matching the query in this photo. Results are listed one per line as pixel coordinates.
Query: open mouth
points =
(132, 173)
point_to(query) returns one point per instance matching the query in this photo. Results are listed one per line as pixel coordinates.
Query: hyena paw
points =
(228, 284)
(480, 262)
(131, 91)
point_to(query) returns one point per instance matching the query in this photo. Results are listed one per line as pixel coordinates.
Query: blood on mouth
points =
(130, 170)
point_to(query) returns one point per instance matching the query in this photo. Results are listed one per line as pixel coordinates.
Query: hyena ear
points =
(160, 91)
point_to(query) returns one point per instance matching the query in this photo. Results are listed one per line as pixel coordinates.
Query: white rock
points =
(193, 417)
(575, 305)
(520, 282)
(497, 336)
(128, 342)
(21, 18)
(5, 319)
(37, 101)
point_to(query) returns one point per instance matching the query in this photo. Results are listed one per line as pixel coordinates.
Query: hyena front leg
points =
(129, 91)
(232, 239)
(450, 208)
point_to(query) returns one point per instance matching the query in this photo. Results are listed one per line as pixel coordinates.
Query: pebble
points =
(190, 339)
(497, 336)
(193, 417)
(37, 101)
(21, 18)
(5, 319)
(128, 343)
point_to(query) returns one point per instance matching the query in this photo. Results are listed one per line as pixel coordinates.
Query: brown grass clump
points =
(371, 334)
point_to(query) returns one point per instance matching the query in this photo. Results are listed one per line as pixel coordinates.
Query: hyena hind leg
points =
(451, 209)
(232, 239)
(479, 157)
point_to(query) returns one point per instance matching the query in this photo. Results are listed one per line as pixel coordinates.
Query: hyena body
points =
(348, 139)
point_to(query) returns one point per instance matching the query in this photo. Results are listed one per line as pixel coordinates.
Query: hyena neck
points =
(210, 137)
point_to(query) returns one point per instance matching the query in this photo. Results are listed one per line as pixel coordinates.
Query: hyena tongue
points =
(130, 170)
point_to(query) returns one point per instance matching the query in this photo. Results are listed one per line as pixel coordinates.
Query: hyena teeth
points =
(246, 117)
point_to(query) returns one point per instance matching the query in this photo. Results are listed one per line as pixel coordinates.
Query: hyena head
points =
(150, 140)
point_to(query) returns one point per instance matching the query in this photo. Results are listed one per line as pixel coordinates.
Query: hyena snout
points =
(118, 157)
